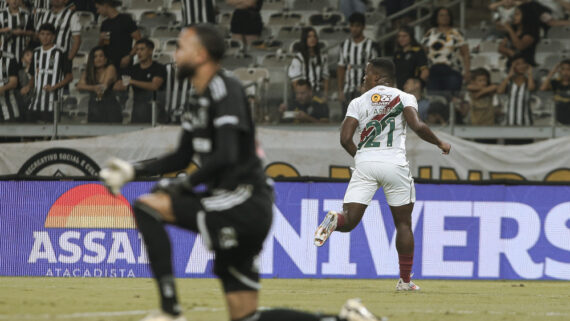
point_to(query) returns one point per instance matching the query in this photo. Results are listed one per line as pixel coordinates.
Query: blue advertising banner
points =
(76, 229)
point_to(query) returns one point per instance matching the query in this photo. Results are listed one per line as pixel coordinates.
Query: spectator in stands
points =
(246, 24)
(504, 10)
(415, 86)
(438, 113)
(66, 23)
(348, 7)
(355, 52)
(306, 108)
(24, 77)
(9, 109)
(198, 11)
(561, 89)
(447, 52)
(522, 36)
(16, 26)
(410, 58)
(98, 79)
(83, 5)
(310, 64)
(118, 31)
(481, 98)
(146, 78)
(51, 69)
(518, 85)
(176, 93)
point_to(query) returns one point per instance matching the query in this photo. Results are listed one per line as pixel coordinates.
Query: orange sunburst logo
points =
(90, 206)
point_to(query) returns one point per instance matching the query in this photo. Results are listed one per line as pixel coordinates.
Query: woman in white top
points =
(310, 64)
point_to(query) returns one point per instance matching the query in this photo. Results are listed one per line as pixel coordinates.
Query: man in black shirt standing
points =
(147, 77)
(234, 214)
(118, 31)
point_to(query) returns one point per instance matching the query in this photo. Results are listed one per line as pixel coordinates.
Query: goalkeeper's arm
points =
(176, 161)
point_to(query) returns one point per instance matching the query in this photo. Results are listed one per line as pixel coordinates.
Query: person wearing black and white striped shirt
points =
(198, 11)
(16, 25)
(51, 71)
(355, 53)
(518, 85)
(316, 71)
(176, 93)
(9, 110)
(67, 26)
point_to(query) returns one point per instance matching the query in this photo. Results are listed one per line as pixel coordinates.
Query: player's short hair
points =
(357, 17)
(385, 66)
(147, 42)
(303, 82)
(565, 62)
(47, 27)
(211, 39)
(481, 72)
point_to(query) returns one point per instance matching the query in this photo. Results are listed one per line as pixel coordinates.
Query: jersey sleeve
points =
(409, 101)
(295, 71)
(353, 109)
(75, 25)
(341, 57)
(325, 66)
(230, 104)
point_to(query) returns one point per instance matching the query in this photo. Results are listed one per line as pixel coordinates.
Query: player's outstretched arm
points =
(172, 162)
(347, 130)
(420, 128)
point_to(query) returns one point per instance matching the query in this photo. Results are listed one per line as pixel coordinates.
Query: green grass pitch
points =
(90, 299)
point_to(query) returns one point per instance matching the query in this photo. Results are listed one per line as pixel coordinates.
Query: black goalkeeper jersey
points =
(223, 105)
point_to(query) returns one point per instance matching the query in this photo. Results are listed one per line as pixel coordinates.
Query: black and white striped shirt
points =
(38, 8)
(8, 104)
(11, 43)
(176, 92)
(518, 109)
(66, 25)
(198, 11)
(355, 56)
(49, 67)
(312, 72)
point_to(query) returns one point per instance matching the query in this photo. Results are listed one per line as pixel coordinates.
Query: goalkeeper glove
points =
(115, 174)
(173, 186)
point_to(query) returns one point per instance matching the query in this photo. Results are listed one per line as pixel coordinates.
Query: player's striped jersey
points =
(176, 92)
(49, 67)
(9, 109)
(381, 124)
(198, 11)
(355, 56)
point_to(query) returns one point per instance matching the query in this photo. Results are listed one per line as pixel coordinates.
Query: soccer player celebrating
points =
(382, 114)
(234, 214)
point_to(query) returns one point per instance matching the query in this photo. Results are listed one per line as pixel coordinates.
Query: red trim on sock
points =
(406, 262)
(339, 220)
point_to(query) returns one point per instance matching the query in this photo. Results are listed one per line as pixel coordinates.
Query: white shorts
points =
(395, 180)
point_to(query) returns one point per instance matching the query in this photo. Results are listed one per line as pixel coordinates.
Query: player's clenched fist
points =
(115, 174)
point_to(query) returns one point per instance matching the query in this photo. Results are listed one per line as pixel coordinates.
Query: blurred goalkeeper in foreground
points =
(234, 214)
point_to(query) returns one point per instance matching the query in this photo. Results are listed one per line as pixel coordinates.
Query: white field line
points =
(83, 315)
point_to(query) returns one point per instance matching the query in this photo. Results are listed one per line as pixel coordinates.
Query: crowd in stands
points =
(53, 49)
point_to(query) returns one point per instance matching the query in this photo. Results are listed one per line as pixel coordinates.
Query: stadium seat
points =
(165, 32)
(85, 18)
(157, 44)
(334, 35)
(152, 19)
(559, 33)
(236, 61)
(276, 5)
(480, 61)
(225, 18)
(310, 5)
(489, 46)
(284, 19)
(549, 45)
(233, 47)
(544, 58)
(163, 58)
(279, 61)
(80, 59)
(169, 45)
(326, 19)
(255, 82)
(476, 32)
(146, 4)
